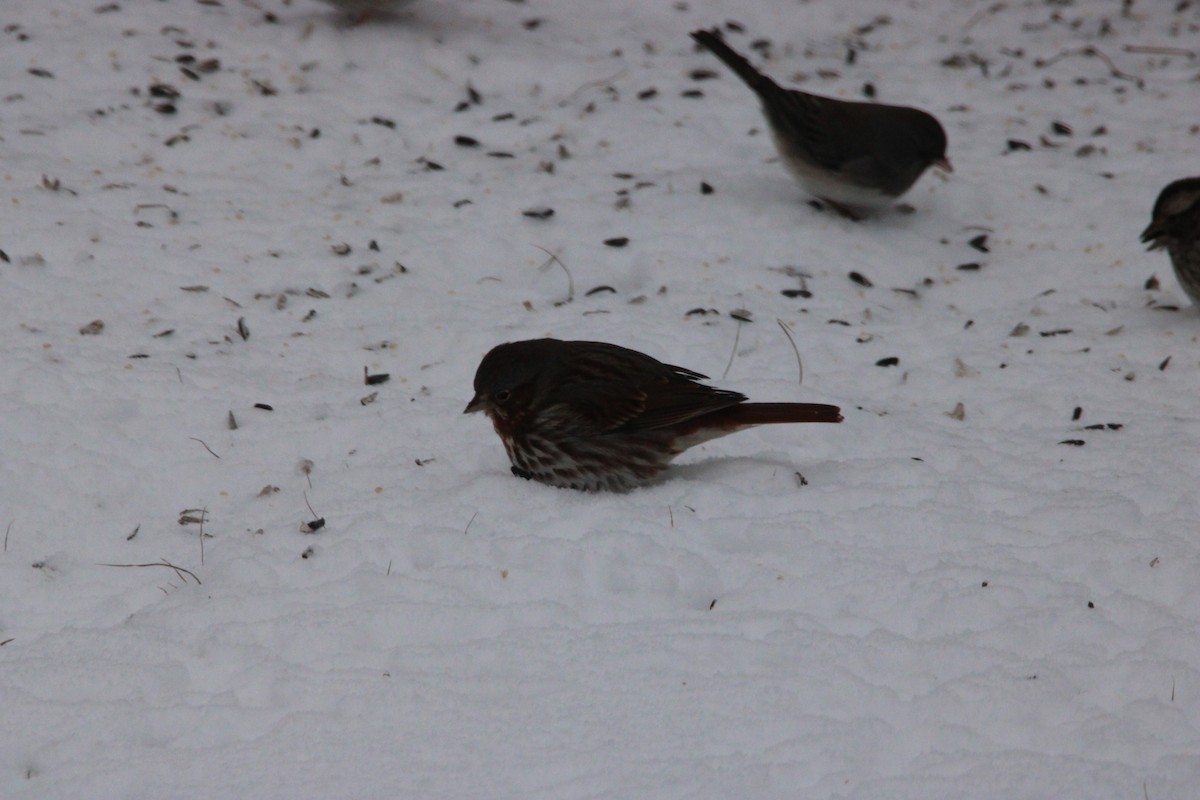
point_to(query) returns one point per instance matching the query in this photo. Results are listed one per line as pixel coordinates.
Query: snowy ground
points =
(952, 605)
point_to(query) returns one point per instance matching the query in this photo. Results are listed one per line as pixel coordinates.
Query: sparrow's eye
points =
(502, 397)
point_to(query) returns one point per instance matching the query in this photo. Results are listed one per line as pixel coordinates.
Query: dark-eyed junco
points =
(854, 156)
(1175, 225)
(362, 10)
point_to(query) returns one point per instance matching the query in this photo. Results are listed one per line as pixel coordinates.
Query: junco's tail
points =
(760, 83)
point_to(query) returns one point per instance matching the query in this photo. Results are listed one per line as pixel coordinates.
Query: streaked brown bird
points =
(592, 416)
(854, 156)
(1175, 225)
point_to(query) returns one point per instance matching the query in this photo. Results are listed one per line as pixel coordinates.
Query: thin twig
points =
(180, 571)
(796, 350)
(733, 353)
(472, 519)
(306, 466)
(1158, 50)
(6, 530)
(310, 508)
(591, 84)
(980, 14)
(206, 447)
(1091, 50)
(555, 260)
(203, 514)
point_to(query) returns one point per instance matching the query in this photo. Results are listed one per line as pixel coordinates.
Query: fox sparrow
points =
(591, 415)
(851, 155)
(1175, 225)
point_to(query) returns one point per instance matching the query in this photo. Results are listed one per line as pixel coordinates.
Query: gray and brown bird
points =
(855, 156)
(360, 11)
(1175, 225)
(593, 416)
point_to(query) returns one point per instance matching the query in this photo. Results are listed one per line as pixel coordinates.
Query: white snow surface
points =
(945, 606)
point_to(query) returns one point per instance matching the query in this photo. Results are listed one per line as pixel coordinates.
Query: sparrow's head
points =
(507, 377)
(1176, 213)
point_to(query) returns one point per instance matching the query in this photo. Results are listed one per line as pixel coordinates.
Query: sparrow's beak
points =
(1151, 234)
(944, 164)
(477, 403)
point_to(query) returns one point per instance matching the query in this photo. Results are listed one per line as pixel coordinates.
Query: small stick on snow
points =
(593, 84)
(555, 260)
(180, 571)
(317, 522)
(981, 14)
(796, 350)
(1159, 50)
(1090, 51)
(206, 447)
(733, 352)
